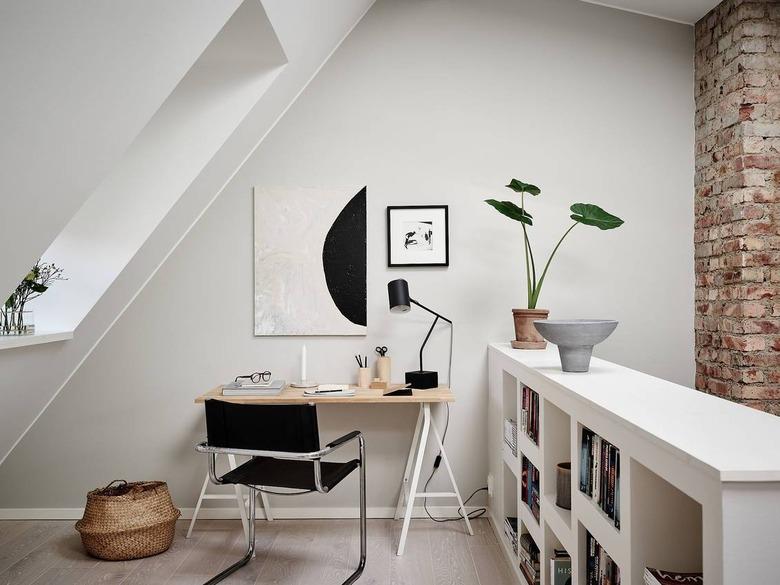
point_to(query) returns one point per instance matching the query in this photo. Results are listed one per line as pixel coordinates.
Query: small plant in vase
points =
(526, 335)
(14, 319)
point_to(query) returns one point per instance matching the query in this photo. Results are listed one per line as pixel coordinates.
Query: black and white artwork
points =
(310, 261)
(418, 235)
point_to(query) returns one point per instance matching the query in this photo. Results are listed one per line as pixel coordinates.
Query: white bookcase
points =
(699, 476)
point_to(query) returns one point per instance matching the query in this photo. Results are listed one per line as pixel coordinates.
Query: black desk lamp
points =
(401, 302)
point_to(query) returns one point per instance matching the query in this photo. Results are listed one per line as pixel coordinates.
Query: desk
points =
(411, 478)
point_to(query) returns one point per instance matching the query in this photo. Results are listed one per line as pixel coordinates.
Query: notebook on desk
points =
(273, 388)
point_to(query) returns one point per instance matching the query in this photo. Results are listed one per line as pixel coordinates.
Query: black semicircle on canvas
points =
(344, 259)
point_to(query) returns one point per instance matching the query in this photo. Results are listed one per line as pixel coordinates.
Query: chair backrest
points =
(288, 427)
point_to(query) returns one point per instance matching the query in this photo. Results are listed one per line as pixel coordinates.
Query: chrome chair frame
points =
(314, 456)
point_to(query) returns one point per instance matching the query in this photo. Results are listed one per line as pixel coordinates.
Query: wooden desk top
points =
(362, 396)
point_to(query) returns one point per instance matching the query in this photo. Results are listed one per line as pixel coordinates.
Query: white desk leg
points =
(452, 480)
(266, 506)
(426, 410)
(197, 506)
(240, 497)
(404, 495)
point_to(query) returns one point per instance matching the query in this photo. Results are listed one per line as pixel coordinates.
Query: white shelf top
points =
(10, 341)
(738, 442)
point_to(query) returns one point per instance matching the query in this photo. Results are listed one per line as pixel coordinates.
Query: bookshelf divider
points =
(655, 444)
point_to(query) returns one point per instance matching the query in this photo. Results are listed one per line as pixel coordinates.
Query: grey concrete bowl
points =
(575, 339)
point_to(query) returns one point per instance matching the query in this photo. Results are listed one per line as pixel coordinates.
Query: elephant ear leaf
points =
(590, 214)
(520, 187)
(511, 210)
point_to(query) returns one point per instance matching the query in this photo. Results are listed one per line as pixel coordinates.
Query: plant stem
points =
(538, 288)
(530, 266)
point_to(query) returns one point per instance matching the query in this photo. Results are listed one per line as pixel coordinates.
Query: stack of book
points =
(529, 414)
(510, 529)
(560, 568)
(600, 569)
(529, 491)
(600, 473)
(510, 434)
(658, 577)
(270, 388)
(529, 559)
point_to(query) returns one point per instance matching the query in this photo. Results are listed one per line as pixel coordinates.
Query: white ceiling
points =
(685, 11)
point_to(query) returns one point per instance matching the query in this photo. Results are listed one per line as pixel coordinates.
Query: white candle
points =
(303, 363)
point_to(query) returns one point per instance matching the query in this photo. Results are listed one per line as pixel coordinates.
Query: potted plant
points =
(526, 335)
(14, 319)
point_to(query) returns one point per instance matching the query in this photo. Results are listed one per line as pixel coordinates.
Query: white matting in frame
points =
(418, 235)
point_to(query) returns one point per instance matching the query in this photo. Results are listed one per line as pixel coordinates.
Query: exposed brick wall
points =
(737, 203)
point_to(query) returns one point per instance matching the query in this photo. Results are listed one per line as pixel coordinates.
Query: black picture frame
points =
(398, 263)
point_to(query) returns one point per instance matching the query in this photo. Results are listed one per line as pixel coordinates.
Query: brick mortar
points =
(737, 202)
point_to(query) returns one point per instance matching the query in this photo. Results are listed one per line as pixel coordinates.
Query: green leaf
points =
(590, 214)
(520, 187)
(511, 210)
(39, 288)
(11, 301)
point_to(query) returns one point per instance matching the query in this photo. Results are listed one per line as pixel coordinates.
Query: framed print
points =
(418, 235)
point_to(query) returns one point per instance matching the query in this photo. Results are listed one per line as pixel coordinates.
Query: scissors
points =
(381, 350)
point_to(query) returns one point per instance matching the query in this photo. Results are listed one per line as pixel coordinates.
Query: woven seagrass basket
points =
(128, 521)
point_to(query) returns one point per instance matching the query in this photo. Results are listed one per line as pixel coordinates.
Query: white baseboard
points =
(227, 513)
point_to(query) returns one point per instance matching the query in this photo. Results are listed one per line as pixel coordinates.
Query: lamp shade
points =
(398, 295)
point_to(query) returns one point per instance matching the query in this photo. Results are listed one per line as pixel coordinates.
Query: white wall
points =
(223, 85)
(78, 81)
(426, 102)
(43, 370)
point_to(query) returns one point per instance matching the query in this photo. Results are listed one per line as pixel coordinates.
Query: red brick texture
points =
(737, 203)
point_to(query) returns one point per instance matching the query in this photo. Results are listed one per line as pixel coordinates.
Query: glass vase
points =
(16, 322)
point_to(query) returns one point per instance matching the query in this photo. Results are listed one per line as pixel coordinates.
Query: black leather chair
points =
(284, 445)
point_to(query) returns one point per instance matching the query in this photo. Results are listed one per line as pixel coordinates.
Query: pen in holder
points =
(383, 368)
(364, 377)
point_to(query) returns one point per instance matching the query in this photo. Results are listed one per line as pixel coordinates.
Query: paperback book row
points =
(529, 414)
(600, 473)
(529, 491)
(529, 559)
(510, 435)
(658, 577)
(560, 568)
(510, 529)
(600, 569)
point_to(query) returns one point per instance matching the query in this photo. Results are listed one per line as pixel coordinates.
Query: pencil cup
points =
(383, 369)
(364, 377)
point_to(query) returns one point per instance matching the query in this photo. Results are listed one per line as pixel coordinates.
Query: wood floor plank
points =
(160, 568)
(289, 552)
(46, 555)
(452, 562)
(287, 558)
(415, 567)
(491, 566)
(213, 548)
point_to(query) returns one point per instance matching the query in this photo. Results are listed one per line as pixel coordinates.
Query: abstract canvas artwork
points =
(310, 261)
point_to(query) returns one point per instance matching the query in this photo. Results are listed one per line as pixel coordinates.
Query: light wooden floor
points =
(289, 552)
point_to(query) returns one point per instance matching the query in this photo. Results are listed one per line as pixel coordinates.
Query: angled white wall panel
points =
(78, 81)
(34, 376)
(205, 108)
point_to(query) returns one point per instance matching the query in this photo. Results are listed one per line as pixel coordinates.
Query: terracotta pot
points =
(526, 335)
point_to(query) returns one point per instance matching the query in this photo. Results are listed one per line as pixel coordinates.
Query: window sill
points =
(10, 341)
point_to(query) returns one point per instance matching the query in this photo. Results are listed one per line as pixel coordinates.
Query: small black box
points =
(422, 379)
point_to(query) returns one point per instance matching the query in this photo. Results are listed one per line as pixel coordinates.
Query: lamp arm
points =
(432, 312)
(436, 320)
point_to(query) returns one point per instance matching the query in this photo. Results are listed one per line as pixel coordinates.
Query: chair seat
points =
(266, 471)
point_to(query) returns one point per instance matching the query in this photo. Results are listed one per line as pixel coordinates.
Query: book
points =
(560, 570)
(659, 577)
(600, 473)
(272, 388)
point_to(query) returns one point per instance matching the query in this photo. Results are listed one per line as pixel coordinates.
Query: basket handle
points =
(122, 481)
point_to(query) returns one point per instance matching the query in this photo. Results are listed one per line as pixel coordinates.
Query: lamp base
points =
(422, 379)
